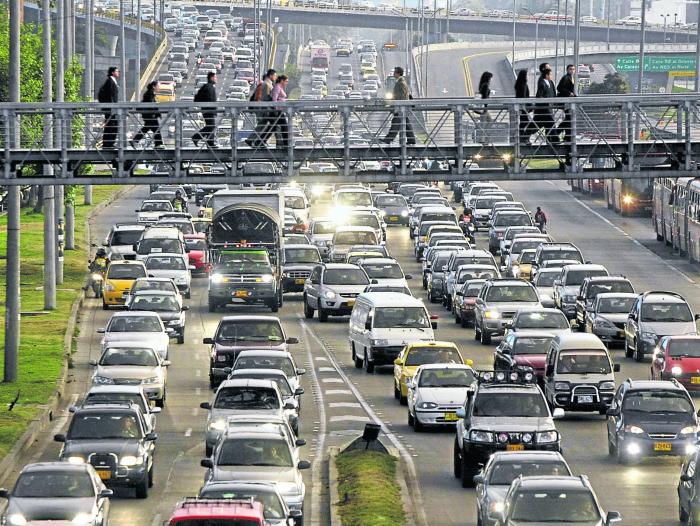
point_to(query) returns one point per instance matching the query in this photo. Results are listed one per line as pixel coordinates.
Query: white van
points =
(295, 199)
(160, 240)
(383, 323)
(579, 374)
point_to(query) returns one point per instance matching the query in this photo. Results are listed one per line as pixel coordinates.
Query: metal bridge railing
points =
(616, 136)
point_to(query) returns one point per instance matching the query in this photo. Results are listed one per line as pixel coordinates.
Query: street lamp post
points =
(665, 17)
(512, 59)
(577, 35)
(641, 45)
(607, 8)
(675, 28)
(556, 46)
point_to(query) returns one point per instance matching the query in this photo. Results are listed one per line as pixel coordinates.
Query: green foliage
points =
(293, 72)
(614, 83)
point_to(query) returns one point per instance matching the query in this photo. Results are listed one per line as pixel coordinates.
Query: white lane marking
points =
(408, 460)
(321, 434)
(188, 432)
(349, 418)
(338, 391)
(61, 420)
(198, 373)
(332, 380)
(321, 359)
(345, 404)
(198, 391)
(195, 411)
(326, 370)
(628, 236)
(157, 520)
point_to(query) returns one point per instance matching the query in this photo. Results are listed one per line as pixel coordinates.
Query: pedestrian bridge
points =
(333, 141)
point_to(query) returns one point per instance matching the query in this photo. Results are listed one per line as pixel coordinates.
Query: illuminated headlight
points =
(502, 438)
(130, 460)
(379, 343)
(109, 287)
(633, 449)
(404, 213)
(389, 96)
(267, 278)
(17, 519)
(635, 430)
(690, 449)
(527, 437)
(174, 322)
(607, 386)
(627, 199)
(687, 430)
(495, 507)
(676, 370)
(427, 405)
(317, 190)
(547, 437)
(151, 380)
(382, 213)
(217, 278)
(329, 295)
(481, 436)
(103, 380)
(217, 425)
(76, 459)
(83, 518)
(491, 314)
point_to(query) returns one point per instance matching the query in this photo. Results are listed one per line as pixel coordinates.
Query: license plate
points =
(104, 474)
(241, 294)
(299, 281)
(585, 399)
(351, 303)
(663, 446)
(695, 380)
(515, 447)
(393, 218)
(451, 417)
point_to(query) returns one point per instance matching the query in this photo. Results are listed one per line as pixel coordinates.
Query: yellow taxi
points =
(205, 210)
(119, 278)
(522, 267)
(422, 353)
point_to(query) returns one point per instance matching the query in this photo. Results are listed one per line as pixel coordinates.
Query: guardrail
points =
(618, 136)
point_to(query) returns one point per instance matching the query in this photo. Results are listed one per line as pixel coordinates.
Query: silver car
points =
(497, 303)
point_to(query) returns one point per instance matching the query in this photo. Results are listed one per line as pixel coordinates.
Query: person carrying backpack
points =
(109, 94)
(207, 93)
(266, 118)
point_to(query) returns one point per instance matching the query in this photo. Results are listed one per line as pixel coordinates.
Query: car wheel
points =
(484, 337)
(150, 477)
(161, 403)
(410, 418)
(639, 353)
(274, 305)
(431, 298)
(208, 450)
(477, 333)
(425, 283)
(463, 321)
(355, 358)
(322, 315)
(622, 457)
(417, 426)
(403, 400)
(456, 461)
(187, 295)
(308, 311)
(181, 336)
(683, 515)
(397, 392)
(212, 305)
(468, 472)
(369, 366)
(629, 351)
(142, 489)
(458, 318)
(105, 306)
(612, 450)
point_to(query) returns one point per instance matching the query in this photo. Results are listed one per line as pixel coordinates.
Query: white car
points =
(152, 209)
(442, 386)
(141, 326)
(173, 266)
(130, 363)
(384, 271)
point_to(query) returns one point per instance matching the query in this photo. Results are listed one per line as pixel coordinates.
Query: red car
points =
(203, 511)
(198, 252)
(678, 357)
(526, 349)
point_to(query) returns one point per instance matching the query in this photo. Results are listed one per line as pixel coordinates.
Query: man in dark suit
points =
(109, 94)
(207, 93)
(567, 88)
(543, 111)
(401, 91)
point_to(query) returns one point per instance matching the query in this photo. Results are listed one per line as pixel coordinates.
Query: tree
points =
(614, 83)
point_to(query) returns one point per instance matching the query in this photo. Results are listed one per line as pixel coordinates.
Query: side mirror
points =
(612, 412)
(59, 438)
(616, 368)
(208, 341)
(479, 479)
(166, 363)
(549, 371)
(137, 210)
(300, 442)
(289, 406)
(93, 362)
(205, 405)
(106, 493)
(374, 282)
(227, 370)
(397, 361)
(697, 316)
(301, 371)
(408, 276)
(304, 464)
(684, 478)
(206, 463)
(558, 413)
(185, 307)
(461, 413)
(368, 324)
(101, 330)
(433, 324)
(292, 341)
(469, 362)
(151, 437)
(154, 410)
(4, 493)
(296, 514)
(444, 268)
(613, 517)
(299, 391)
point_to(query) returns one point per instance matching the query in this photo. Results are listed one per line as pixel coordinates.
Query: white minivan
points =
(383, 323)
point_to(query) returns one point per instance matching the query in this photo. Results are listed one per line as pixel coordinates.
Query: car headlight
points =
(217, 425)
(109, 287)
(635, 430)
(404, 213)
(427, 405)
(491, 314)
(267, 278)
(217, 278)
(130, 460)
(151, 380)
(83, 518)
(379, 343)
(76, 459)
(436, 280)
(174, 322)
(527, 438)
(687, 430)
(676, 370)
(102, 380)
(481, 436)
(649, 336)
(562, 386)
(329, 295)
(607, 386)
(495, 507)
(317, 190)
(17, 519)
(547, 437)
(181, 280)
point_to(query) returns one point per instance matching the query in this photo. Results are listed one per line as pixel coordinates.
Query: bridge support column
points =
(12, 290)
(49, 247)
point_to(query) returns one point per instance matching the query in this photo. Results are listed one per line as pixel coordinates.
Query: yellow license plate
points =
(663, 446)
(351, 303)
(104, 474)
(299, 281)
(241, 294)
(393, 218)
(695, 379)
(451, 417)
(515, 447)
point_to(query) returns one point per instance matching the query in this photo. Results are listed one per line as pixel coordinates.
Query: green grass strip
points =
(369, 493)
(41, 337)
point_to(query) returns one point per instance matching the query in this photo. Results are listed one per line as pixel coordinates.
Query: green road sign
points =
(658, 64)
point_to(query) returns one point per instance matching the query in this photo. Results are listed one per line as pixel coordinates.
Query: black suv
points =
(506, 412)
(591, 287)
(115, 439)
(651, 417)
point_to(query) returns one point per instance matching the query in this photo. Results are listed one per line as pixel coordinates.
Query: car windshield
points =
(471, 290)
(301, 255)
(532, 344)
(250, 330)
(155, 245)
(391, 200)
(527, 257)
(519, 246)
(185, 227)
(424, 355)
(125, 237)
(437, 216)
(512, 232)
(53, 485)
(407, 317)
(354, 199)
(510, 404)
(130, 356)
(196, 244)
(474, 260)
(684, 348)
(355, 238)
(512, 293)
(657, 401)
(613, 286)
(487, 202)
(127, 272)
(157, 206)
(576, 277)
(555, 506)
(296, 202)
(255, 452)
(280, 380)
(246, 398)
(571, 254)
(383, 270)
(272, 507)
(345, 276)
(369, 220)
(546, 279)
(541, 320)
(149, 284)
(266, 362)
(201, 227)
(503, 473)
(666, 312)
(134, 324)
(447, 378)
(250, 261)
(102, 426)
(165, 263)
(324, 227)
(584, 362)
(512, 220)
(217, 522)
(468, 274)
(615, 305)
(155, 303)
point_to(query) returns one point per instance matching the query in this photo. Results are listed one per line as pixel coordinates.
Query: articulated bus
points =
(630, 196)
(677, 214)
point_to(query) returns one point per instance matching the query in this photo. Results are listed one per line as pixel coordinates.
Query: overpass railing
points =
(613, 136)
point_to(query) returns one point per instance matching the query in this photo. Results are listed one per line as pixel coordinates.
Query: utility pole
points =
(566, 28)
(577, 34)
(47, 191)
(515, 16)
(607, 8)
(89, 77)
(697, 52)
(60, 97)
(122, 52)
(641, 45)
(137, 76)
(12, 301)
(556, 46)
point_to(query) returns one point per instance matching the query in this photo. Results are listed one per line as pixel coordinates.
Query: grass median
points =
(41, 336)
(369, 493)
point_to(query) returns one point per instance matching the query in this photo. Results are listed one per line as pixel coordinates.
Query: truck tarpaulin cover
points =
(248, 223)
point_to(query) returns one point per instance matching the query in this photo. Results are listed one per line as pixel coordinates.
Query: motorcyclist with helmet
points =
(179, 203)
(468, 226)
(98, 268)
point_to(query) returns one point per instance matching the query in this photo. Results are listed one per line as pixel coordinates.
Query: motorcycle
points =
(468, 228)
(97, 278)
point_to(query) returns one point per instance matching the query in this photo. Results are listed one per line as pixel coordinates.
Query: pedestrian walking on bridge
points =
(401, 91)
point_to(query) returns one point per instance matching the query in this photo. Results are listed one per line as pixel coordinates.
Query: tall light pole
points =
(697, 52)
(675, 27)
(556, 46)
(47, 191)
(515, 10)
(537, 32)
(641, 45)
(566, 28)
(607, 8)
(577, 32)
(137, 76)
(665, 17)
